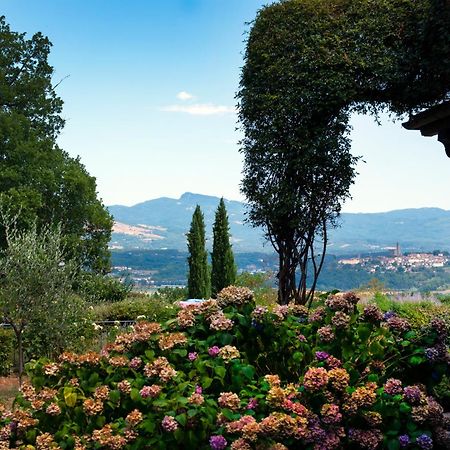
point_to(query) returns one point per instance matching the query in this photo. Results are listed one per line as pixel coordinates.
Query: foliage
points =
(134, 306)
(6, 350)
(308, 65)
(40, 182)
(199, 284)
(240, 375)
(171, 294)
(223, 267)
(96, 288)
(36, 292)
(417, 313)
(261, 285)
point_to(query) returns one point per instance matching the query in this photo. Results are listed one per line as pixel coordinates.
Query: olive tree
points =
(36, 297)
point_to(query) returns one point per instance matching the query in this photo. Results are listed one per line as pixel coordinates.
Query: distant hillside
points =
(163, 223)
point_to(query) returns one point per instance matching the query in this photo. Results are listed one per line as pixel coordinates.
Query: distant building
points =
(350, 262)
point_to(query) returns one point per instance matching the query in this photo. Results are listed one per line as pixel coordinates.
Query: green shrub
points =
(6, 351)
(418, 313)
(444, 299)
(102, 288)
(330, 378)
(171, 294)
(261, 285)
(136, 306)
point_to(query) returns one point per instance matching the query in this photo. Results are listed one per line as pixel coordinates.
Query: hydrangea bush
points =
(228, 375)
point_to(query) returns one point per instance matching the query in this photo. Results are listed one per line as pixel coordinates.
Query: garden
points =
(228, 374)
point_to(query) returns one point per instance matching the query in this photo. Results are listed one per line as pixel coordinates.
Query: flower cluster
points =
(340, 320)
(229, 400)
(234, 295)
(229, 352)
(326, 334)
(393, 386)
(107, 438)
(315, 378)
(369, 439)
(372, 313)
(161, 368)
(398, 324)
(339, 302)
(169, 424)
(219, 322)
(150, 391)
(170, 340)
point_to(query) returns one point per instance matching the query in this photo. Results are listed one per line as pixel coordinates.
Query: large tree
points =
(39, 182)
(199, 285)
(308, 65)
(223, 267)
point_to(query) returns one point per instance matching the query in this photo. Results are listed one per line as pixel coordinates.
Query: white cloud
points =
(183, 95)
(201, 109)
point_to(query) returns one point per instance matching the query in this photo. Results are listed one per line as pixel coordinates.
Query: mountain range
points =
(162, 223)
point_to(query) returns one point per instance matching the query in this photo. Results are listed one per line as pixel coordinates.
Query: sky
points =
(149, 101)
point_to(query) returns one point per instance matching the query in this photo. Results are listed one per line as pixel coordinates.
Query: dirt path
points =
(9, 387)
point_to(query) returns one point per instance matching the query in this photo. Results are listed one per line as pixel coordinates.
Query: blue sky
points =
(149, 103)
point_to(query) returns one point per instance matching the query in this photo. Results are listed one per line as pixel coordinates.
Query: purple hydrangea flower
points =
(252, 403)
(192, 356)
(404, 440)
(412, 394)
(387, 315)
(322, 356)
(198, 389)
(217, 442)
(213, 351)
(424, 441)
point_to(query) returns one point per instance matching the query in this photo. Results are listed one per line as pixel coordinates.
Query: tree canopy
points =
(38, 180)
(308, 65)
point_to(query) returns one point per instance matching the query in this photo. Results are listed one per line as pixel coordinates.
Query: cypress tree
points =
(223, 267)
(198, 280)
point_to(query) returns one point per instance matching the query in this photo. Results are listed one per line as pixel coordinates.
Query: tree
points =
(308, 65)
(36, 296)
(223, 271)
(38, 181)
(199, 285)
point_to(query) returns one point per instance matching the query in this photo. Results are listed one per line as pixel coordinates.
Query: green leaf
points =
(134, 395)
(248, 372)
(376, 349)
(192, 412)
(206, 382)
(181, 419)
(416, 360)
(70, 399)
(363, 332)
(404, 407)
(220, 371)
(393, 444)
